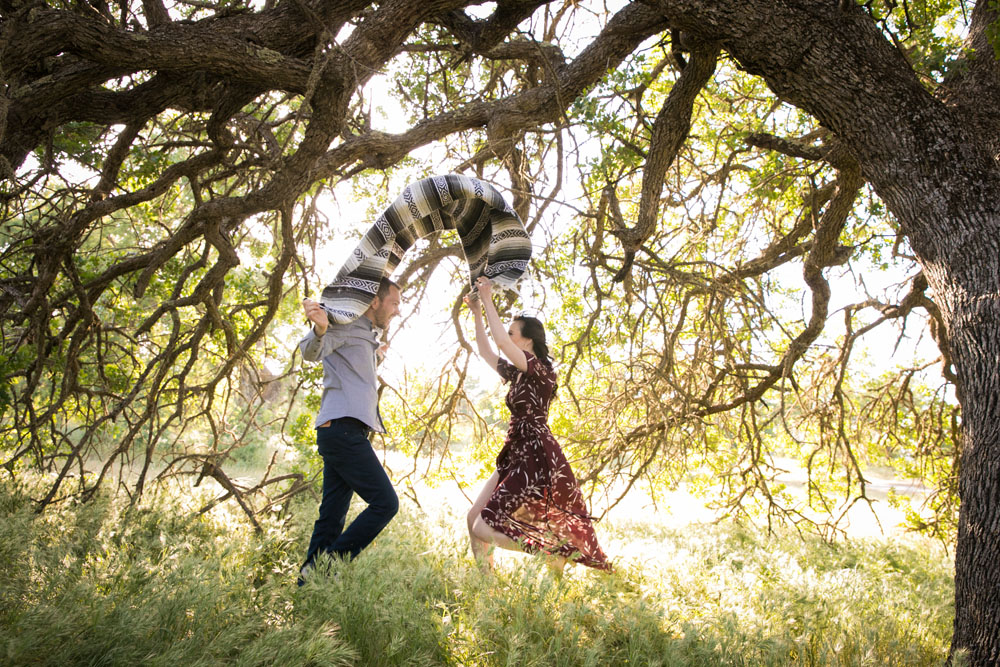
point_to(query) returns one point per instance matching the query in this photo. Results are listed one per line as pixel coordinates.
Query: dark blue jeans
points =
(350, 466)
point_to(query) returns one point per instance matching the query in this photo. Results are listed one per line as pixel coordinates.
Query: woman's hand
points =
(485, 287)
(471, 300)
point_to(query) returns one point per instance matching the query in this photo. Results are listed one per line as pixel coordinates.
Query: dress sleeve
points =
(540, 374)
(537, 371)
(535, 367)
(507, 370)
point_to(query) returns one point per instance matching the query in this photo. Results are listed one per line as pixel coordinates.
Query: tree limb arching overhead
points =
(202, 123)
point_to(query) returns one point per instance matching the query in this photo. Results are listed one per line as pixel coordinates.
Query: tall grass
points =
(102, 585)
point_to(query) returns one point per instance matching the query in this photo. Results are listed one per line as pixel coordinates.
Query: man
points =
(347, 415)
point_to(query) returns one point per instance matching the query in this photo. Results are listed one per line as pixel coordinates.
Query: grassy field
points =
(100, 585)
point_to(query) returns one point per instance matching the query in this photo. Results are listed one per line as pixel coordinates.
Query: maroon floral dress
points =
(537, 500)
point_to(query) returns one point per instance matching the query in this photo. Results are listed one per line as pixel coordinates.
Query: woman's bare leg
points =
(482, 551)
(484, 538)
(487, 533)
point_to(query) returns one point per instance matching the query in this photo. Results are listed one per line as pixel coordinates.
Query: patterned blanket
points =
(493, 239)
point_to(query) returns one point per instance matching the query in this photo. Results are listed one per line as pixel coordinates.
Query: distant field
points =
(681, 507)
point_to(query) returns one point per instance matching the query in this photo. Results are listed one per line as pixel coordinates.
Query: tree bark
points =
(975, 337)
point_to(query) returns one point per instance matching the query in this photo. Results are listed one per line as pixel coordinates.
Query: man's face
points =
(384, 309)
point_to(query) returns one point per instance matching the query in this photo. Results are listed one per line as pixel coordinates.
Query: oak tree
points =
(164, 167)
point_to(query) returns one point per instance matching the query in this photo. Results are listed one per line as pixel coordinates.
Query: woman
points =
(532, 502)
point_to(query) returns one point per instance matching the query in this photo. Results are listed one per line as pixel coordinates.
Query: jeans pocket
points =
(341, 434)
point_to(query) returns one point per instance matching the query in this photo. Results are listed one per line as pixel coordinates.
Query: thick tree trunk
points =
(954, 228)
(975, 337)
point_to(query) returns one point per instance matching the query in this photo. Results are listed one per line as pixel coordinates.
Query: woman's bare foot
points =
(556, 564)
(482, 552)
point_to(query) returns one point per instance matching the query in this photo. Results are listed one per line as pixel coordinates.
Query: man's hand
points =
(316, 315)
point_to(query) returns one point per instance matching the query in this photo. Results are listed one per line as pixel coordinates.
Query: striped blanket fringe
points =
(494, 240)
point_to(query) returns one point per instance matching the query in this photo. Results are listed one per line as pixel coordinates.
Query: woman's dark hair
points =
(533, 329)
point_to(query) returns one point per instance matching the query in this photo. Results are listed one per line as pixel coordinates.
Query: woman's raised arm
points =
(482, 340)
(497, 329)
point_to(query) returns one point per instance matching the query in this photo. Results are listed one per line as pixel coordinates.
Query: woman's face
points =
(514, 331)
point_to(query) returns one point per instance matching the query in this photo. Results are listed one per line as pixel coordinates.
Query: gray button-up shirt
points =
(349, 381)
